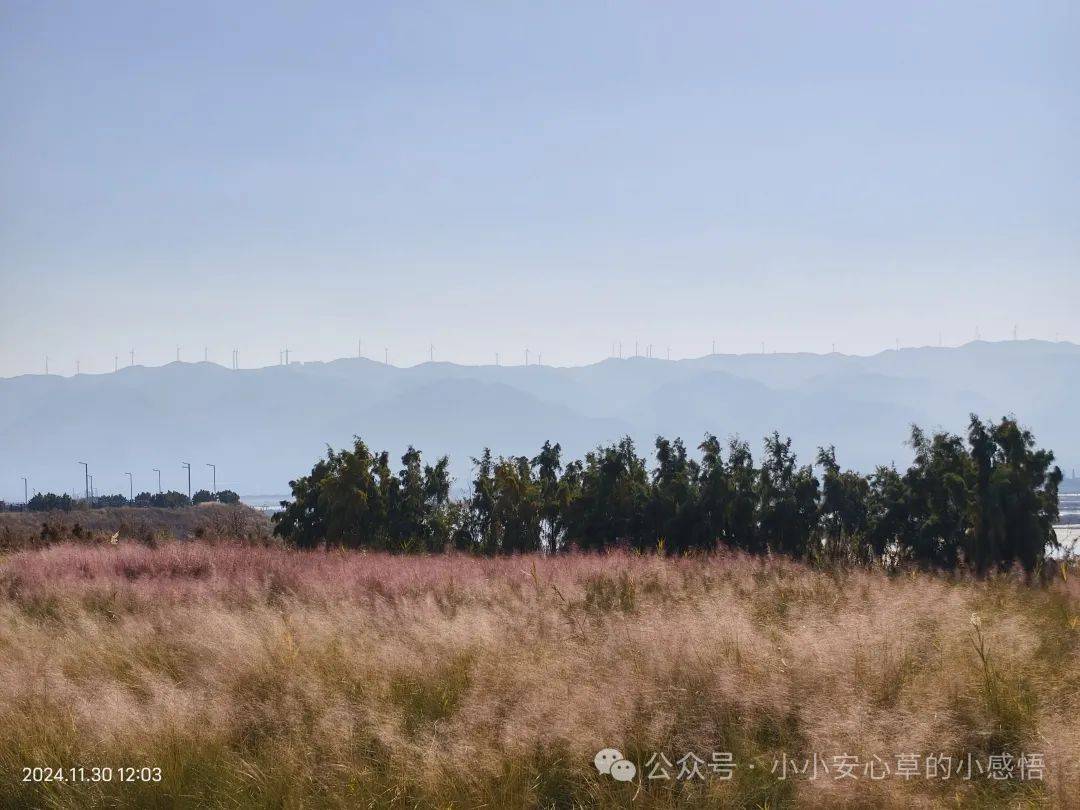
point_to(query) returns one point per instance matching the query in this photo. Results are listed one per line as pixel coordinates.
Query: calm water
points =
(1070, 508)
(265, 503)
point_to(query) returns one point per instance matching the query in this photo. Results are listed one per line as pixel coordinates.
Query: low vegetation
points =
(256, 676)
(149, 525)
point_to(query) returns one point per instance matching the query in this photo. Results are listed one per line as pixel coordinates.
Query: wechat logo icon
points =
(611, 762)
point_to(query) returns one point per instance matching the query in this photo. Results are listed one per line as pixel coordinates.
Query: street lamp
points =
(158, 479)
(131, 486)
(214, 468)
(188, 466)
(86, 479)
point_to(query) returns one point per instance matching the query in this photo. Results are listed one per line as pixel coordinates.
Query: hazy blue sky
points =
(559, 176)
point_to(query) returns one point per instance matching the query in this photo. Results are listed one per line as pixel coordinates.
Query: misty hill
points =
(265, 426)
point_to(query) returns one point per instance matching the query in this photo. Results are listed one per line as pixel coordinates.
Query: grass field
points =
(28, 530)
(258, 677)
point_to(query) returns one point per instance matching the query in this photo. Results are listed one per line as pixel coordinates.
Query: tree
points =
(227, 496)
(991, 502)
(49, 502)
(937, 497)
(887, 514)
(548, 464)
(787, 497)
(1014, 497)
(202, 496)
(610, 507)
(672, 514)
(843, 513)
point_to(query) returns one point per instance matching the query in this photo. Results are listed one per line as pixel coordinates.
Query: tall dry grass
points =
(261, 677)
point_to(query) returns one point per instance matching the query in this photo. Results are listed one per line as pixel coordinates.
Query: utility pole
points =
(86, 479)
(214, 468)
(91, 487)
(431, 352)
(386, 355)
(1014, 332)
(496, 358)
(158, 479)
(77, 367)
(177, 354)
(359, 348)
(132, 353)
(526, 358)
(188, 466)
(26, 500)
(205, 353)
(714, 347)
(539, 359)
(286, 355)
(131, 486)
(116, 363)
(620, 350)
(46, 364)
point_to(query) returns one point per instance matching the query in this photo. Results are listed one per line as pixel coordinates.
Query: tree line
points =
(987, 500)
(51, 502)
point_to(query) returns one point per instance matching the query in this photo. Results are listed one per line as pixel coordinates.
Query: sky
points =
(488, 178)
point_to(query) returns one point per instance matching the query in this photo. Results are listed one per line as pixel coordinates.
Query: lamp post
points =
(158, 479)
(214, 468)
(188, 466)
(131, 486)
(86, 479)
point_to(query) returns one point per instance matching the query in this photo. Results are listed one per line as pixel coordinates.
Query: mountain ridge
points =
(265, 426)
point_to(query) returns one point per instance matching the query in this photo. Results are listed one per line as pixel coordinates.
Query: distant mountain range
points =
(264, 426)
